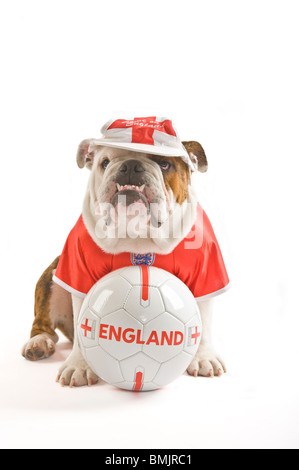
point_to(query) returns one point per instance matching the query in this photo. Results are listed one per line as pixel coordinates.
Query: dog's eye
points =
(164, 165)
(105, 163)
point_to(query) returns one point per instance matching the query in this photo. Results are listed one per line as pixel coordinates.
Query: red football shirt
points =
(83, 262)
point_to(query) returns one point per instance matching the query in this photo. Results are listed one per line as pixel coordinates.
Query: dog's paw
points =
(206, 363)
(76, 373)
(38, 347)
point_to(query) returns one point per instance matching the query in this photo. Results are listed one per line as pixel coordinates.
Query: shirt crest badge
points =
(138, 259)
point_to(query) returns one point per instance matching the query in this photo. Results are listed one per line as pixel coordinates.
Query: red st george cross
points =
(195, 335)
(143, 128)
(85, 327)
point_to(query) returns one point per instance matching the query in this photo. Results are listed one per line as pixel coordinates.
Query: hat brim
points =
(163, 150)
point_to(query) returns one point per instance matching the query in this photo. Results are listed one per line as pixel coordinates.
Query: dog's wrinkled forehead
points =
(115, 155)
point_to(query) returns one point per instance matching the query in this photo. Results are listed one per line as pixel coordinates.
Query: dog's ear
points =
(84, 157)
(197, 155)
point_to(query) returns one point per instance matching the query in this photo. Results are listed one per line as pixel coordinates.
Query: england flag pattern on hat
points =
(141, 130)
(151, 134)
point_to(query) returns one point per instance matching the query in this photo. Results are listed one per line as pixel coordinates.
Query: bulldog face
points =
(139, 184)
(132, 196)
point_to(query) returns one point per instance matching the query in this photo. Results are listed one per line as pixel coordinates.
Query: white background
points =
(227, 73)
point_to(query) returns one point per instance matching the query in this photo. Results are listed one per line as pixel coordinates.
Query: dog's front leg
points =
(75, 372)
(206, 362)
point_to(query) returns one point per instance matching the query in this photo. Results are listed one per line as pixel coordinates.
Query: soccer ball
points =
(139, 328)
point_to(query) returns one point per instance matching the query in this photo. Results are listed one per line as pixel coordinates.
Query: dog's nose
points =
(131, 172)
(131, 166)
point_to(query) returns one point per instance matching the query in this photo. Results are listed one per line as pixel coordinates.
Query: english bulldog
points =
(140, 199)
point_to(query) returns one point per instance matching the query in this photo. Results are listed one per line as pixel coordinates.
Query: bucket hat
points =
(156, 135)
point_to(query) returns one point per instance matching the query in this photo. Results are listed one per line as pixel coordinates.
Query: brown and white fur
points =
(164, 182)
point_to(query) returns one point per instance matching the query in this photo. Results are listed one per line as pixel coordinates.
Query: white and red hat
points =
(155, 135)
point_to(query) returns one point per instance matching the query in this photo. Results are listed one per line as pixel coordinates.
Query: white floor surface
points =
(239, 410)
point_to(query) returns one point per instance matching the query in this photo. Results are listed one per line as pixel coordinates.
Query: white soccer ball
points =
(139, 328)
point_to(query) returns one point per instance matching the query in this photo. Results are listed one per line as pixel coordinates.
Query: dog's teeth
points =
(133, 187)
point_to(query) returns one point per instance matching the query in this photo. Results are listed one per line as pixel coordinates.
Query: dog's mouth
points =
(130, 202)
(129, 194)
